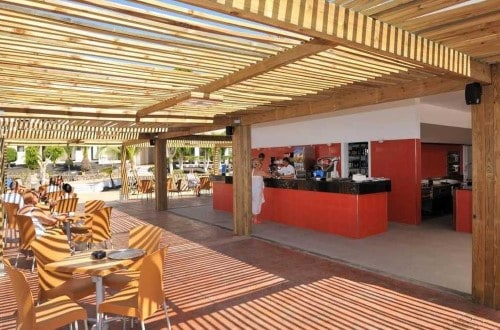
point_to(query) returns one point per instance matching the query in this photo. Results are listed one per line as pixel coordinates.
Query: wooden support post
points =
(3, 176)
(217, 160)
(124, 191)
(486, 195)
(161, 175)
(242, 181)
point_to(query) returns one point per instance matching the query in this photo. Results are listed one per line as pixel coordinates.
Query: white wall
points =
(430, 114)
(387, 121)
(391, 121)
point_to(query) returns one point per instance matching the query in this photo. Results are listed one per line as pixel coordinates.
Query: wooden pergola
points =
(96, 72)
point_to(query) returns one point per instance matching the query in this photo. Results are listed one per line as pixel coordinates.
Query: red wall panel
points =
(462, 210)
(354, 216)
(434, 158)
(222, 196)
(399, 160)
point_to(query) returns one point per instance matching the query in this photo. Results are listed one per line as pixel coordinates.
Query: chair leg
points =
(143, 326)
(101, 320)
(85, 324)
(17, 257)
(165, 308)
(33, 264)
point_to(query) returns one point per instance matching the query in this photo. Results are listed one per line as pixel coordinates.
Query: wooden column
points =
(242, 181)
(486, 195)
(3, 176)
(124, 191)
(217, 160)
(161, 175)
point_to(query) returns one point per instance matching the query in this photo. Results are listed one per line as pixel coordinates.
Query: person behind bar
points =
(287, 171)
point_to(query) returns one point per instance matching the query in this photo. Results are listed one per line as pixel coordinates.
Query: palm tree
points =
(113, 152)
(68, 150)
(171, 152)
(131, 152)
(43, 163)
(181, 154)
(207, 156)
(86, 165)
(109, 171)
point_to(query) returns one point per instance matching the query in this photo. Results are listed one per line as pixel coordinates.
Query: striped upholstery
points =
(66, 205)
(93, 205)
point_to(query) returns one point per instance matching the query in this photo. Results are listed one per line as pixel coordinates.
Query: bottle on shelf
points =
(358, 158)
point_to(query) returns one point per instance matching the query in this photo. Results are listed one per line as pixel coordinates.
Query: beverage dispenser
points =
(303, 160)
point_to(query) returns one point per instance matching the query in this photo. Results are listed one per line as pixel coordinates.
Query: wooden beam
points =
(242, 181)
(486, 195)
(345, 100)
(124, 191)
(134, 142)
(284, 58)
(329, 21)
(84, 113)
(161, 192)
(186, 131)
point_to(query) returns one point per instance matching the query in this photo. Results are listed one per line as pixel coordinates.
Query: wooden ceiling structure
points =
(96, 71)
(124, 71)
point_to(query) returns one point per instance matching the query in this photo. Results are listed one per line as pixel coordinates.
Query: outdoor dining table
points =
(72, 218)
(84, 263)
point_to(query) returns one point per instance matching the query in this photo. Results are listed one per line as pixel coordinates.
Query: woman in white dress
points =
(257, 189)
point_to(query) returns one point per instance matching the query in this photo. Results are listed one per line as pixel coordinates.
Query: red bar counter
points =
(462, 210)
(353, 212)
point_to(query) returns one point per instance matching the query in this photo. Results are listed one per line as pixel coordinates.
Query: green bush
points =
(53, 153)
(11, 155)
(31, 157)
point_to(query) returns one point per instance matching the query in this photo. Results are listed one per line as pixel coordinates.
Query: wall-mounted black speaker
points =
(152, 142)
(473, 93)
(229, 130)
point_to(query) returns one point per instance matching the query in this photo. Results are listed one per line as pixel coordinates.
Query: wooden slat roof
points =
(98, 71)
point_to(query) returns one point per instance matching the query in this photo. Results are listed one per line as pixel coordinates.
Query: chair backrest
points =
(146, 186)
(10, 210)
(146, 237)
(27, 232)
(54, 195)
(151, 294)
(101, 224)
(66, 205)
(93, 205)
(178, 184)
(169, 184)
(24, 297)
(47, 249)
(205, 183)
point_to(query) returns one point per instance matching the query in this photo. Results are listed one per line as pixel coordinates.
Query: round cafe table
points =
(75, 217)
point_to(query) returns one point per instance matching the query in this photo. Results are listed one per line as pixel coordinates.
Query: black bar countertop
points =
(340, 186)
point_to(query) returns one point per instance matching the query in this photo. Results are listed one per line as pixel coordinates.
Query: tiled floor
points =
(429, 254)
(214, 280)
